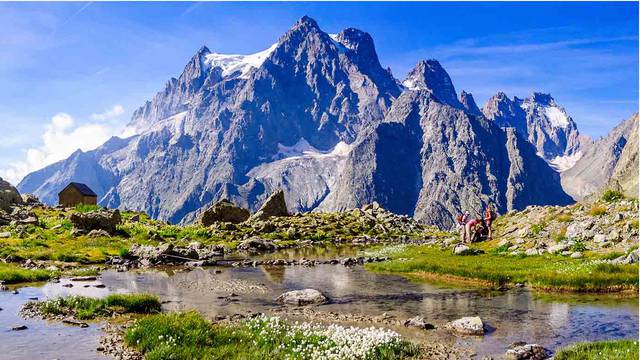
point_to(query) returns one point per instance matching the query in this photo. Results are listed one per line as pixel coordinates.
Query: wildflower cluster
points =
(316, 341)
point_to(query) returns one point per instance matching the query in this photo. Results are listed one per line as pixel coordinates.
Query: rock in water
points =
(302, 297)
(8, 195)
(274, 206)
(527, 351)
(225, 211)
(256, 245)
(471, 325)
(104, 219)
(418, 322)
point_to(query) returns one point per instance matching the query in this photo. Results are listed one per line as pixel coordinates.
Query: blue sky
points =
(72, 73)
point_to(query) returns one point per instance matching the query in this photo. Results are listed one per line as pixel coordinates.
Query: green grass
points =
(83, 307)
(11, 274)
(612, 195)
(83, 208)
(189, 336)
(548, 271)
(610, 350)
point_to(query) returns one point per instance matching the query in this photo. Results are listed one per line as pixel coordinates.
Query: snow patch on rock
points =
(563, 163)
(303, 149)
(556, 116)
(238, 64)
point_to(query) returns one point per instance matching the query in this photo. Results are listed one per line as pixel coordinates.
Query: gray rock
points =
(419, 322)
(600, 238)
(8, 195)
(558, 248)
(275, 205)
(302, 298)
(103, 219)
(5, 234)
(467, 326)
(98, 233)
(576, 255)
(224, 211)
(461, 249)
(256, 245)
(527, 352)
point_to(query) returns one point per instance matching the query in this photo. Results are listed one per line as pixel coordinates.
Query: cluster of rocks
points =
(30, 310)
(376, 216)
(112, 344)
(348, 261)
(524, 351)
(570, 230)
(226, 211)
(168, 254)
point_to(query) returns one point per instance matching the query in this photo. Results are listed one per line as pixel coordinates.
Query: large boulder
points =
(103, 219)
(302, 297)
(224, 211)
(471, 325)
(8, 195)
(274, 206)
(256, 244)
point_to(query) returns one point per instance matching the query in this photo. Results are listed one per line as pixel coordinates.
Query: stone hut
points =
(77, 193)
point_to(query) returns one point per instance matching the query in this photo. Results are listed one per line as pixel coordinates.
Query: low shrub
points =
(612, 195)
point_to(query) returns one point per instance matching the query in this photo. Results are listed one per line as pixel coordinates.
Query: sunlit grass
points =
(544, 272)
(610, 350)
(83, 307)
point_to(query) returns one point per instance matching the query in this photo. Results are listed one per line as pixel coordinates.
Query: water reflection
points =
(515, 315)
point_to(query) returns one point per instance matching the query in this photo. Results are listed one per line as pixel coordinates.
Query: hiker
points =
(461, 221)
(472, 225)
(489, 217)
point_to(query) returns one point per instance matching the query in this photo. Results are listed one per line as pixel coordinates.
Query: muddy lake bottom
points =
(553, 321)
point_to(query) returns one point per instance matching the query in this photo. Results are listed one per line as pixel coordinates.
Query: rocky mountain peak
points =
(542, 98)
(430, 75)
(357, 41)
(469, 103)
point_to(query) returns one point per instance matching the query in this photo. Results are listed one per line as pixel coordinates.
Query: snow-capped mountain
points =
(318, 116)
(544, 123)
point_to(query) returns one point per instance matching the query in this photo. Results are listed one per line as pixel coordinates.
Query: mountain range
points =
(315, 114)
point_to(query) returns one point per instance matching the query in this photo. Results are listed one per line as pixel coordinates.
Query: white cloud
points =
(61, 137)
(113, 112)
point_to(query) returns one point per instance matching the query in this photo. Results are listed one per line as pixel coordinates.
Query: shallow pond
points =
(514, 315)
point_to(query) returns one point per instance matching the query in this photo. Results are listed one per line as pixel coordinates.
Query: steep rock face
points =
(541, 121)
(604, 159)
(225, 115)
(469, 104)
(625, 174)
(430, 76)
(432, 160)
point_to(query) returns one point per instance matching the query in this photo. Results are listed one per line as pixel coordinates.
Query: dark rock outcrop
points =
(275, 205)
(224, 211)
